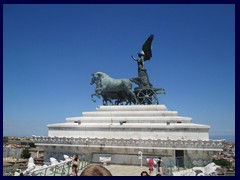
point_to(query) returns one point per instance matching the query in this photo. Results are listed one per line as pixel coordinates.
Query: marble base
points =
(120, 132)
(137, 121)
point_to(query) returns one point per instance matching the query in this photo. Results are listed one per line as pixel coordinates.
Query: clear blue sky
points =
(50, 52)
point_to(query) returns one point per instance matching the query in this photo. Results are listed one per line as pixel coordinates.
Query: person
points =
(75, 165)
(144, 173)
(159, 164)
(95, 170)
(151, 164)
(142, 79)
(158, 174)
(140, 61)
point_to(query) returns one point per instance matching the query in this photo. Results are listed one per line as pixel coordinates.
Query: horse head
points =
(97, 77)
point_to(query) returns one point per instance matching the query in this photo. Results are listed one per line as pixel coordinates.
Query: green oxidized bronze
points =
(119, 91)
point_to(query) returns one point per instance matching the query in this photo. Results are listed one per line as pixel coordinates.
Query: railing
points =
(60, 169)
(167, 165)
(171, 164)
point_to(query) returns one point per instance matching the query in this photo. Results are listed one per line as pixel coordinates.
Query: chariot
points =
(119, 91)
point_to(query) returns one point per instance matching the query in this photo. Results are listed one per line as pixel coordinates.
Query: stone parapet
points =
(210, 145)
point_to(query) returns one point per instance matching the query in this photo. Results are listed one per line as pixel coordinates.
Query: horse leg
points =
(110, 100)
(94, 100)
(132, 97)
(104, 102)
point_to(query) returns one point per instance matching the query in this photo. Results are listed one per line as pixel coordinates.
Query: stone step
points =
(144, 126)
(129, 113)
(170, 119)
(141, 131)
(133, 108)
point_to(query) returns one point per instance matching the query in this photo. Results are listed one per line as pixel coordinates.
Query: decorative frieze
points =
(130, 143)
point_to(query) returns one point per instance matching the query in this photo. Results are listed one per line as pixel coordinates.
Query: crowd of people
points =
(151, 164)
(99, 170)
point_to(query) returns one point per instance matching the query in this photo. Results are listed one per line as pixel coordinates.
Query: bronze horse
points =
(119, 90)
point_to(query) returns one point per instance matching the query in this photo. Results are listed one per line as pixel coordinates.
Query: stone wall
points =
(10, 152)
(197, 153)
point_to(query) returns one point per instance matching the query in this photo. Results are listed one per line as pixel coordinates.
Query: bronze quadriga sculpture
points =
(119, 91)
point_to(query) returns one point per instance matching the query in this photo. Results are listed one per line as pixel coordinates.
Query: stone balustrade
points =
(130, 143)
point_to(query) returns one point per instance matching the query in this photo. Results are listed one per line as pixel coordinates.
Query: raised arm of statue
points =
(135, 59)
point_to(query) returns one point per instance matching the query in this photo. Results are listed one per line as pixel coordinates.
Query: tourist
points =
(95, 170)
(144, 173)
(159, 164)
(151, 164)
(158, 174)
(75, 165)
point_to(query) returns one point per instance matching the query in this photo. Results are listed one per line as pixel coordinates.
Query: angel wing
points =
(147, 48)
